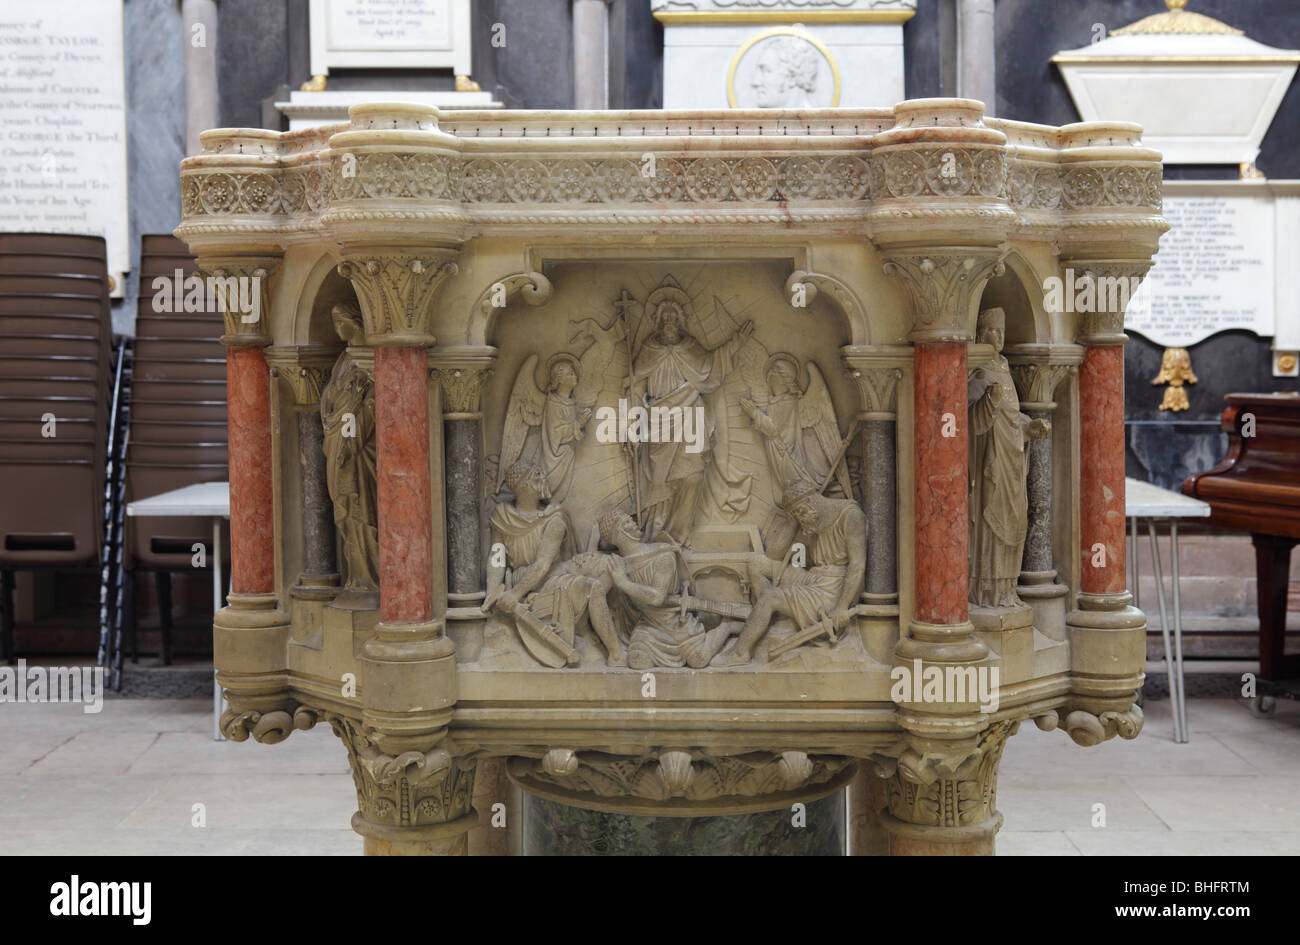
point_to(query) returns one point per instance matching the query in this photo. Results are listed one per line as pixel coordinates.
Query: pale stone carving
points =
(347, 409)
(999, 509)
(542, 580)
(672, 370)
(552, 412)
(820, 598)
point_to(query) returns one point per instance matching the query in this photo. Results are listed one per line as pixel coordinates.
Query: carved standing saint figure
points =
(672, 370)
(559, 419)
(999, 508)
(541, 585)
(347, 410)
(835, 534)
(799, 428)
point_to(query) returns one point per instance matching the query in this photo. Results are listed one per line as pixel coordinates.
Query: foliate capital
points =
(397, 291)
(1102, 290)
(240, 285)
(943, 286)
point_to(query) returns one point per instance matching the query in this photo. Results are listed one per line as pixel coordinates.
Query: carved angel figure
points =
(799, 428)
(548, 423)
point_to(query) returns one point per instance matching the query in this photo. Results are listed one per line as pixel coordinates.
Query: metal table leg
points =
(1178, 627)
(1170, 667)
(218, 702)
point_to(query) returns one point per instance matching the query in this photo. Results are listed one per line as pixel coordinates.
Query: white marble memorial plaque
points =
(63, 97)
(380, 34)
(1214, 271)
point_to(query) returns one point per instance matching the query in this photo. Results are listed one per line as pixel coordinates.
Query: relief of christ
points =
(673, 370)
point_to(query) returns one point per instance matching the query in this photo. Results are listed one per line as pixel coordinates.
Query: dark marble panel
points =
(636, 55)
(252, 56)
(552, 829)
(924, 43)
(1165, 453)
(534, 69)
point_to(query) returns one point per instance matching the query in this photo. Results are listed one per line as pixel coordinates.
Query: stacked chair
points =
(176, 436)
(58, 395)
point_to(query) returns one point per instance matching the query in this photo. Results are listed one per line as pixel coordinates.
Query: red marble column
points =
(402, 454)
(942, 567)
(1101, 482)
(252, 516)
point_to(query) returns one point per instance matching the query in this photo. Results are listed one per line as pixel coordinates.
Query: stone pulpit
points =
(613, 473)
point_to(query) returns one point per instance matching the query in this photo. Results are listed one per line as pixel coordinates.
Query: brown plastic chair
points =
(146, 369)
(35, 451)
(36, 263)
(86, 368)
(28, 283)
(66, 430)
(181, 326)
(61, 519)
(54, 244)
(76, 346)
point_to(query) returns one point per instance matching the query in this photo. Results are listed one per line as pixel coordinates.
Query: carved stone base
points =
(1002, 618)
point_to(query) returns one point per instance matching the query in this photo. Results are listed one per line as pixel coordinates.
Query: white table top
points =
(1143, 500)
(202, 498)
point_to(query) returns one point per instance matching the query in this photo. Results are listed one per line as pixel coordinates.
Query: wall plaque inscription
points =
(370, 34)
(62, 91)
(1214, 272)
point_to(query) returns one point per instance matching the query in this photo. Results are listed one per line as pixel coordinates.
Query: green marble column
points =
(555, 829)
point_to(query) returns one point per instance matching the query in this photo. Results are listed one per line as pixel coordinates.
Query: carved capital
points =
(397, 291)
(240, 286)
(943, 285)
(306, 369)
(954, 788)
(1038, 371)
(421, 787)
(1099, 290)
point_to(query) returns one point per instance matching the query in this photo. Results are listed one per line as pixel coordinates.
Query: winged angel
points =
(799, 429)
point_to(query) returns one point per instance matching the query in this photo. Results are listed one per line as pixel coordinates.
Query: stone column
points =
(202, 103)
(946, 739)
(461, 373)
(591, 53)
(1107, 633)
(420, 802)
(977, 53)
(251, 625)
(306, 373)
(878, 371)
(1038, 370)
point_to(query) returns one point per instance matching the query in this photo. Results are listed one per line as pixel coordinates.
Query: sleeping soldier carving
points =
(541, 581)
(834, 531)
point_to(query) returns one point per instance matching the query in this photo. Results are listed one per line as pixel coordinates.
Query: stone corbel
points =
(270, 727)
(943, 283)
(1092, 728)
(814, 283)
(397, 289)
(533, 287)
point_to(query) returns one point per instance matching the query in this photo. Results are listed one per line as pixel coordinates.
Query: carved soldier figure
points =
(646, 574)
(835, 535)
(672, 370)
(347, 410)
(540, 576)
(999, 507)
